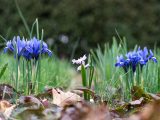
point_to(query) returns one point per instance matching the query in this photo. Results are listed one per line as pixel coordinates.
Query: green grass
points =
(108, 76)
(54, 72)
(109, 80)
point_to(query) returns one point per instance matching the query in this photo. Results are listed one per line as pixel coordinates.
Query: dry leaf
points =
(30, 100)
(149, 112)
(4, 105)
(7, 91)
(154, 96)
(8, 111)
(137, 102)
(85, 111)
(61, 98)
(6, 108)
(99, 113)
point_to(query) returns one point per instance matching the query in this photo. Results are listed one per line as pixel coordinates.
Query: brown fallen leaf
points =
(7, 92)
(30, 100)
(149, 112)
(154, 96)
(100, 112)
(7, 113)
(130, 108)
(6, 108)
(4, 105)
(61, 98)
(85, 111)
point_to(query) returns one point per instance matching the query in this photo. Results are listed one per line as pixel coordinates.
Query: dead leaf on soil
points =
(7, 113)
(100, 112)
(7, 92)
(61, 98)
(30, 101)
(6, 108)
(4, 105)
(86, 111)
(149, 112)
(130, 108)
(35, 109)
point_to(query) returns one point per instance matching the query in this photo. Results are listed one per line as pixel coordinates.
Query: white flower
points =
(85, 66)
(81, 60)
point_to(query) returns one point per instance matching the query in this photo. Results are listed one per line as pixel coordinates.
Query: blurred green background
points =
(75, 26)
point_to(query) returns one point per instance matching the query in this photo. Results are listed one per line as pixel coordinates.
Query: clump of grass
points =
(110, 81)
(108, 77)
(54, 72)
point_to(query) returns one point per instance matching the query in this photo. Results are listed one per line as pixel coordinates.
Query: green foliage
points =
(87, 74)
(3, 69)
(84, 80)
(108, 76)
(54, 72)
(90, 22)
(113, 83)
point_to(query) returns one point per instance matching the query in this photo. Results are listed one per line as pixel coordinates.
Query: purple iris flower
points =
(135, 58)
(151, 56)
(143, 54)
(16, 46)
(121, 62)
(36, 47)
(28, 49)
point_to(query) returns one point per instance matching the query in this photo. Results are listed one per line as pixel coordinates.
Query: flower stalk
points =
(86, 74)
(84, 80)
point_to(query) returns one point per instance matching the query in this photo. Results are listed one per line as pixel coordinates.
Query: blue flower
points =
(143, 53)
(9, 45)
(17, 46)
(28, 49)
(135, 58)
(36, 47)
(121, 62)
(151, 57)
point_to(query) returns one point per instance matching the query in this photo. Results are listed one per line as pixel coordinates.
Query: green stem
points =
(33, 76)
(17, 74)
(91, 76)
(128, 87)
(142, 80)
(138, 77)
(134, 79)
(23, 73)
(28, 79)
(39, 74)
(84, 80)
(37, 77)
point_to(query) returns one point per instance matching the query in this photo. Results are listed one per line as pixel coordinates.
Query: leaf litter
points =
(56, 104)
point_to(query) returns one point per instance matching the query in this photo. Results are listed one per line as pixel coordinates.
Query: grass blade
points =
(3, 70)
